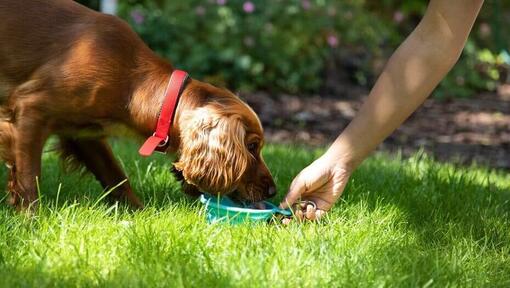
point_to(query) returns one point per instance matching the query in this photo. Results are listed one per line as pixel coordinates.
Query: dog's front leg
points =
(31, 133)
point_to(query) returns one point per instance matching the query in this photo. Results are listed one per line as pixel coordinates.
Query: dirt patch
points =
(460, 130)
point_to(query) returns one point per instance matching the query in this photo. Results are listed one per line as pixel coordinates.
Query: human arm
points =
(409, 77)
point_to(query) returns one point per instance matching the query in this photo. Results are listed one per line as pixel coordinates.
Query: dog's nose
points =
(271, 191)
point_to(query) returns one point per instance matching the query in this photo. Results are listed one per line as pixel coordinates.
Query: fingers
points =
(312, 178)
(307, 210)
(314, 206)
(310, 212)
(320, 202)
(316, 190)
(296, 189)
(309, 216)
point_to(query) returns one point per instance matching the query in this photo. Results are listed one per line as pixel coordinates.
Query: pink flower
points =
(332, 41)
(306, 4)
(398, 16)
(137, 16)
(200, 10)
(248, 7)
(221, 2)
(485, 30)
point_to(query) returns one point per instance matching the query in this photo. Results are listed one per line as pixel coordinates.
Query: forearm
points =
(409, 77)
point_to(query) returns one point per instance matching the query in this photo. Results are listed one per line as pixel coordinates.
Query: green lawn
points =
(401, 222)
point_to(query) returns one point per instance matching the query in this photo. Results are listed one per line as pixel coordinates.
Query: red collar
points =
(159, 140)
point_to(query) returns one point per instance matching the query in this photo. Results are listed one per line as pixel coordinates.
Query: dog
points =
(78, 74)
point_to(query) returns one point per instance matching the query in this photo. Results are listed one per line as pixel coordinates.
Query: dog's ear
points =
(188, 189)
(212, 154)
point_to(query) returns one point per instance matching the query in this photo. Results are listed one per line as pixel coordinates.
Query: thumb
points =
(296, 189)
(310, 179)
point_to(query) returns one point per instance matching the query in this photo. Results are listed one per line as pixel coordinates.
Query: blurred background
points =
(306, 65)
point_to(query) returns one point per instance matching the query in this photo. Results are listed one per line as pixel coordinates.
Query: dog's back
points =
(29, 33)
(74, 61)
(64, 40)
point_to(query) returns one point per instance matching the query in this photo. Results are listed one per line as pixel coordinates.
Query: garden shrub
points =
(263, 44)
(293, 45)
(484, 62)
(477, 70)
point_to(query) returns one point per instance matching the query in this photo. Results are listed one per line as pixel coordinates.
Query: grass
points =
(401, 222)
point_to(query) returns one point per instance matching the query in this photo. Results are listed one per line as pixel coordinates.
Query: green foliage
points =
(400, 223)
(477, 70)
(483, 64)
(281, 45)
(291, 45)
(94, 4)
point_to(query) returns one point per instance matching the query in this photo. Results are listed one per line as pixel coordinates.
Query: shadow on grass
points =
(440, 202)
(455, 214)
(437, 200)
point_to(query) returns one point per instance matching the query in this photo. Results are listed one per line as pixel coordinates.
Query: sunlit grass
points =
(410, 222)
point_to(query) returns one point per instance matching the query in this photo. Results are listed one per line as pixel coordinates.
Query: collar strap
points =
(159, 140)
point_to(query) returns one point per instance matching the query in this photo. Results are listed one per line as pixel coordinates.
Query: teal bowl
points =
(224, 209)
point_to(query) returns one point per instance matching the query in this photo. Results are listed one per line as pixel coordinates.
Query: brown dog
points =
(69, 71)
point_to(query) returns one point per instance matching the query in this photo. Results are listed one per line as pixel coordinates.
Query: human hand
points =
(317, 187)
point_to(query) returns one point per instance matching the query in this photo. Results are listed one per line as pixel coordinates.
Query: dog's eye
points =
(252, 147)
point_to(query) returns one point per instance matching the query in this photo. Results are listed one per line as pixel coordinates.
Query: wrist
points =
(341, 157)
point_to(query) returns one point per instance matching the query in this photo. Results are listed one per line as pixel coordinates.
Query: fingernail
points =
(319, 213)
(310, 212)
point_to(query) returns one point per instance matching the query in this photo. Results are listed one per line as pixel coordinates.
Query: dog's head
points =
(220, 147)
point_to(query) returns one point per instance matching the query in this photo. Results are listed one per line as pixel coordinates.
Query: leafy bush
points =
(293, 45)
(263, 44)
(484, 62)
(477, 70)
